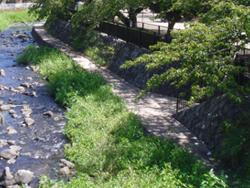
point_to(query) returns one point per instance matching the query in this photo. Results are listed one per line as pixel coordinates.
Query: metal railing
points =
(138, 36)
(160, 30)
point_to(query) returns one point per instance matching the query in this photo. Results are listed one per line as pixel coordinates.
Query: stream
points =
(31, 122)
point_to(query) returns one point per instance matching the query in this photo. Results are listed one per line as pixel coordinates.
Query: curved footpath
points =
(154, 110)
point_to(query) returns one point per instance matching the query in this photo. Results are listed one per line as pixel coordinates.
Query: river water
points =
(42, 142)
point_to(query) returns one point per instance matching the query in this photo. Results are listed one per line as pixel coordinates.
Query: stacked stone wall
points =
(205, 120)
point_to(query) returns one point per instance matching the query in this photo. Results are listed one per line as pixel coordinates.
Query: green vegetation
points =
(235, 149)
(207, 51)
(109, 144)
(11, 16)
(92, 47)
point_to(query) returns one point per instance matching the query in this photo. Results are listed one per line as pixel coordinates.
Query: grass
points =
(109, 145)
(93, 48)
(11, 16)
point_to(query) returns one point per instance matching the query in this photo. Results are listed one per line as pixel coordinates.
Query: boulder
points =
(8, 154)
(23, 177)
(11, 130)
(48, 113)
(67, 163)
(7, 179)
(16, 148)
(5, 107)
(65, 171)
(2, 73)
(3, 143)
(29, 121)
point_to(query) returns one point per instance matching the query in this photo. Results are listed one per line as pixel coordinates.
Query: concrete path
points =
(155, 110)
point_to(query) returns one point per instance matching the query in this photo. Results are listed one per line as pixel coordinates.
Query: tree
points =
(176, 10)
(98, 11)
(207, 52)
(52, 8)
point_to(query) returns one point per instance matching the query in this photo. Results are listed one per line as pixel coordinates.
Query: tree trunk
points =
(171, 24)
(131, 20)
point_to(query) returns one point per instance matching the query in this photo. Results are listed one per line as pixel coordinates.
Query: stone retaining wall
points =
(205, 120)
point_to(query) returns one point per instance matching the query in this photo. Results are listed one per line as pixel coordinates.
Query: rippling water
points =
(44, 140)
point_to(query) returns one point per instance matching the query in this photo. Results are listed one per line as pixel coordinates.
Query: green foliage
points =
(212, 181)
(29, 55)
(176, 10)
(65, 77)
(92, 47)
(206, 54)
(101, 54)
(11, 16)
(111, 147)
(51, 8)
(99, 11)
(235, 148)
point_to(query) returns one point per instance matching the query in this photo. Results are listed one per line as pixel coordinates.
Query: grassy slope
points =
(14, 15)
(111, 148)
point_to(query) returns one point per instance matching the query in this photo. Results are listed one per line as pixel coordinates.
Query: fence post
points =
(177, 98)
(108, 28)
(142, 25)
(159, 30)
(127, 33)
(154, 38)
(100, 25)
(177, 101)
(117, 27)
(140, 38)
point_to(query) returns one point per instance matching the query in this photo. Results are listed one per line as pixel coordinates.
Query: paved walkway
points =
(155, 110)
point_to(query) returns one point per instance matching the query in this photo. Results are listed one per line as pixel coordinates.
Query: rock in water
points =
(16, 148)
(8, 154)
(65, 171)
(23, 177)
(11, 130)
(2, 73)
(5, 107)
(67, 163)
(25, 84)
(48, 113)
(29, 121)
(7, 179)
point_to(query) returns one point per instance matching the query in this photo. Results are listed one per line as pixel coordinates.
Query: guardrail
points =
(160, 30)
